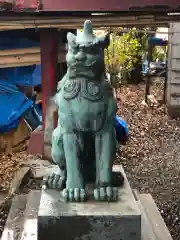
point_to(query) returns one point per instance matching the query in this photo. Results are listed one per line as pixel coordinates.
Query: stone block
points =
(90, 220)
(29, 228)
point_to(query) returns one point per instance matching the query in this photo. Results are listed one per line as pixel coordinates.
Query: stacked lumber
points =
(11, 141)
(25, 57)
(76, 22)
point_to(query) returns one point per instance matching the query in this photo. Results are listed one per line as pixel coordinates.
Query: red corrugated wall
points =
(22, 5)
(90, 5)
(104, 5)
(27, 4)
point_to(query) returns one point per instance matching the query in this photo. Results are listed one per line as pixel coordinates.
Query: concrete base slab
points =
(90, 220)
(29, 228)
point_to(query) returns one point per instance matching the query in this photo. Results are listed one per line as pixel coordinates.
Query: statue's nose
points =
(80, 56)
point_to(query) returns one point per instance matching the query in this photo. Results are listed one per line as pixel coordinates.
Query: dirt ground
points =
(151, 157)
(9, 165)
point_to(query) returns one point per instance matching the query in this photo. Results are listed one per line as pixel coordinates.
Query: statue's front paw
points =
(109, 194)
(74, 195)
(54, 181)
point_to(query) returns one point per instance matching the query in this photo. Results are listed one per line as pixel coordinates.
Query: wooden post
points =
(149, 59)
(49, 61)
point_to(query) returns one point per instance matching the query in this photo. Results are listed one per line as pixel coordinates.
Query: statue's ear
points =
(71, 39)
(104, 41)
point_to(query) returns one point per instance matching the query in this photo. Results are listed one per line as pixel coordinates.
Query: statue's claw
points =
(109, 194)
(54, 181)
(74, 195)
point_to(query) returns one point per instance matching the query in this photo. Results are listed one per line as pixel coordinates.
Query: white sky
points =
(163, 35)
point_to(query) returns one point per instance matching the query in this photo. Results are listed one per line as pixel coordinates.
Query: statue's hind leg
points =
(56, 180)
(73, 148)
(105, 143)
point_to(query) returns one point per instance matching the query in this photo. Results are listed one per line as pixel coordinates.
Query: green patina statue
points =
(84, 143)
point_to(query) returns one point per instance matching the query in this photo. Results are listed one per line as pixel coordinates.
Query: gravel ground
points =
(30, 184)
(4, 210)
(9, 165)
(151, 158)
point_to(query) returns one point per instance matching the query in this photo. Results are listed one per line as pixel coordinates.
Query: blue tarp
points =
(7, 87)
(13, 104)
(15, 43)
(122, 132)
(157, 41)
(36, 76)
(22, 76)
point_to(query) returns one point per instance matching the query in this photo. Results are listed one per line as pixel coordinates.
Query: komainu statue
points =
(84, 142)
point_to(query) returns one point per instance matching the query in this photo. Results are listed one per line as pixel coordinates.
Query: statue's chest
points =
(85, 105)
(91, 91)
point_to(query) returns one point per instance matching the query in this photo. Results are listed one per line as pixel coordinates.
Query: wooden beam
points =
(74, 22)
(75, 19)
(20, 64)
(76, 26)
(23, 51)
(16, 59)
(79, 19)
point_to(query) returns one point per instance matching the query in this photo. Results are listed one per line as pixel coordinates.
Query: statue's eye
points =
(74, 50)
(82, 49)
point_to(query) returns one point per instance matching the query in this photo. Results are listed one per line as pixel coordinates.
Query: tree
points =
(123, 53)
(159, 52)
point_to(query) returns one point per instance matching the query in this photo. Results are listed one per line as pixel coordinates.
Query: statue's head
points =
(86, 51)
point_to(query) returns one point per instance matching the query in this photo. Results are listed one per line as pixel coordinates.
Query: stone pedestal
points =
(90, 220)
